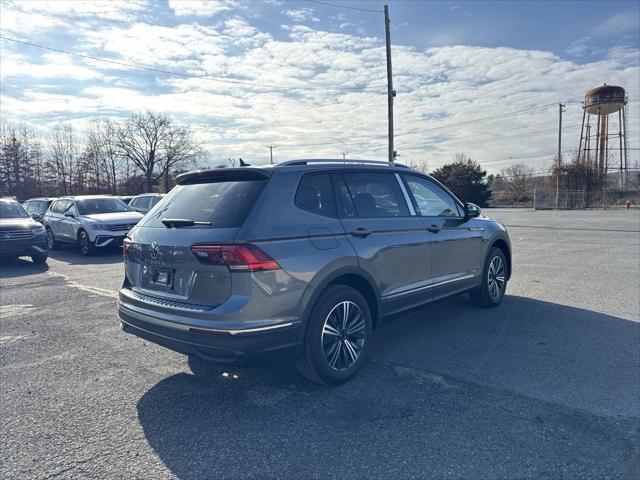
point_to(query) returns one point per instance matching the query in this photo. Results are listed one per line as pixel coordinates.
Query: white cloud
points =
(436, 87)
(201, 8)
(619, 24)
(301, 15)
(109, 10)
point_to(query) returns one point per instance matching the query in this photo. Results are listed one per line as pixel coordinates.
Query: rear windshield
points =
(91, 206)
(223, 204)
(12, 210)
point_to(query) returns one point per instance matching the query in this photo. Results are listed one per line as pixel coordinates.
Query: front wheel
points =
(86, 245)
(337, 338)
(51, 240)
(494, 280)
(39, 259)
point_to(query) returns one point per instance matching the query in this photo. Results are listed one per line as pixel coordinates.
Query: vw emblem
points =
(154, 249)
(7, 235)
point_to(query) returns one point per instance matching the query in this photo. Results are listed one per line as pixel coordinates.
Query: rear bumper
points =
(249, 345)
(27, 247)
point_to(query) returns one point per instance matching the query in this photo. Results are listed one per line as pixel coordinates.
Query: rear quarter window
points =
(315, 195)
(225, 204)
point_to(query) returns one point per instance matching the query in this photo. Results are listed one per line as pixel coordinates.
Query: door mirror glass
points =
(471, 210)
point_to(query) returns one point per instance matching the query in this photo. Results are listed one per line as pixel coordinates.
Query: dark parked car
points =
(145, 202)
(36, 207)
(304, 260)
(21, 235)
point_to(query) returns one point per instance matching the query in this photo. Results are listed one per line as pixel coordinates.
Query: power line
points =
(477, 120)
(466, 122)
(186, 75)
(327, 4)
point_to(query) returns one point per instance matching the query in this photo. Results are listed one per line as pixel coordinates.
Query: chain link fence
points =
(559, 199)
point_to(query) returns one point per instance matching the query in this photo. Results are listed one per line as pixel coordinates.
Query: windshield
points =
(12, 210)
(91, 206)
(222, 204)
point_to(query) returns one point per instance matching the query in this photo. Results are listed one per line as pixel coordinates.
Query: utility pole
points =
(271, 147)
(560, 110)
(344, 155)
(390, 92)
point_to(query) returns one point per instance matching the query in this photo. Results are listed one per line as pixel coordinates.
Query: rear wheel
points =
(337, 337)
(40, 259)
(85, 244)
(494, 280)
(51, 240)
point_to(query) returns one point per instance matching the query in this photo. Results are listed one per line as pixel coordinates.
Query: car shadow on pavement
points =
(71, 255)
(19, 267)
(530, 389)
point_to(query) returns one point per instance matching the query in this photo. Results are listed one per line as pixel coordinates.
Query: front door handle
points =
(361, 232)
(434, 229)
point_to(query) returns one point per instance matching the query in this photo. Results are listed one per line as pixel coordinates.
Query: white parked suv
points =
(90, 221)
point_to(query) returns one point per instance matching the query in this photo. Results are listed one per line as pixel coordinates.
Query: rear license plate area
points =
(161, 277)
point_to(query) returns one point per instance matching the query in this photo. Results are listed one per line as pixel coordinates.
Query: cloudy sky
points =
(482, 78)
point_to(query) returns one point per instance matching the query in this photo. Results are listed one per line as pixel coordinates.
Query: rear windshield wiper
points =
(182, 222)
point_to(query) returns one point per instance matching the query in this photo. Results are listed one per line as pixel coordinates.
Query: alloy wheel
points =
(343, 335)
(496, 278)
(50, 240)
(84, 243)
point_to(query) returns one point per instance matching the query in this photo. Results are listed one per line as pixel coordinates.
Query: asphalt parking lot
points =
(545, 386)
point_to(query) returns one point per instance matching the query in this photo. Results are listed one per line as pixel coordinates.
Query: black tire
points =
(85, 244)
(51, 239)
(332, 358)
(202, 369)
(39, 259)
(491, 292)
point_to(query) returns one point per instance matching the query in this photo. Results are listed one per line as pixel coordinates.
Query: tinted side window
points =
(346, 208)
(143, 202)
(42, 207)
(376, 195)
(315, 195)
(57, 206)
(430, 199)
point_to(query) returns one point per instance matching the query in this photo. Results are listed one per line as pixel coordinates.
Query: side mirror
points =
(69, 214)
(35, 216)
(471, 210)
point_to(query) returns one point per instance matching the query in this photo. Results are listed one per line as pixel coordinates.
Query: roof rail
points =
(338, 161)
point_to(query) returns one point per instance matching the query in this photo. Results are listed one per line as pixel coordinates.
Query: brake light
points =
(245, 257)
(126, 243)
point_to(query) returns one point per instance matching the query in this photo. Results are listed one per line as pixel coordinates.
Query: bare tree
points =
(63, 156)
(154, 144)
(515, 182)
(104, 154)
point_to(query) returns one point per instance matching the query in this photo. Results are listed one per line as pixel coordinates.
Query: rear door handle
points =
(361, 232)
(434, 229)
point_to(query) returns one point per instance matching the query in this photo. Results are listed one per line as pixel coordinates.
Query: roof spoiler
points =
(223, 175)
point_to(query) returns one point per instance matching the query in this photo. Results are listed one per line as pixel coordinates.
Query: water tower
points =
(603, 103)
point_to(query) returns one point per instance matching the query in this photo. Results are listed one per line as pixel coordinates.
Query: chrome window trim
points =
(407, 200)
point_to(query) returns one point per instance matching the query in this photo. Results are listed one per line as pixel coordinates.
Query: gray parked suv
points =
(90, 221)
(302, 260)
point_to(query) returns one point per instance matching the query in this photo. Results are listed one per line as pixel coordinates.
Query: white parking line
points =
(7, 311)
(104, 292)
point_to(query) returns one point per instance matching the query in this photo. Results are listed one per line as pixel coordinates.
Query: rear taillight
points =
(126, 243)
(245, 257)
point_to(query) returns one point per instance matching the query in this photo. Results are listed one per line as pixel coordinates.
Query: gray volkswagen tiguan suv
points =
(302, 261)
